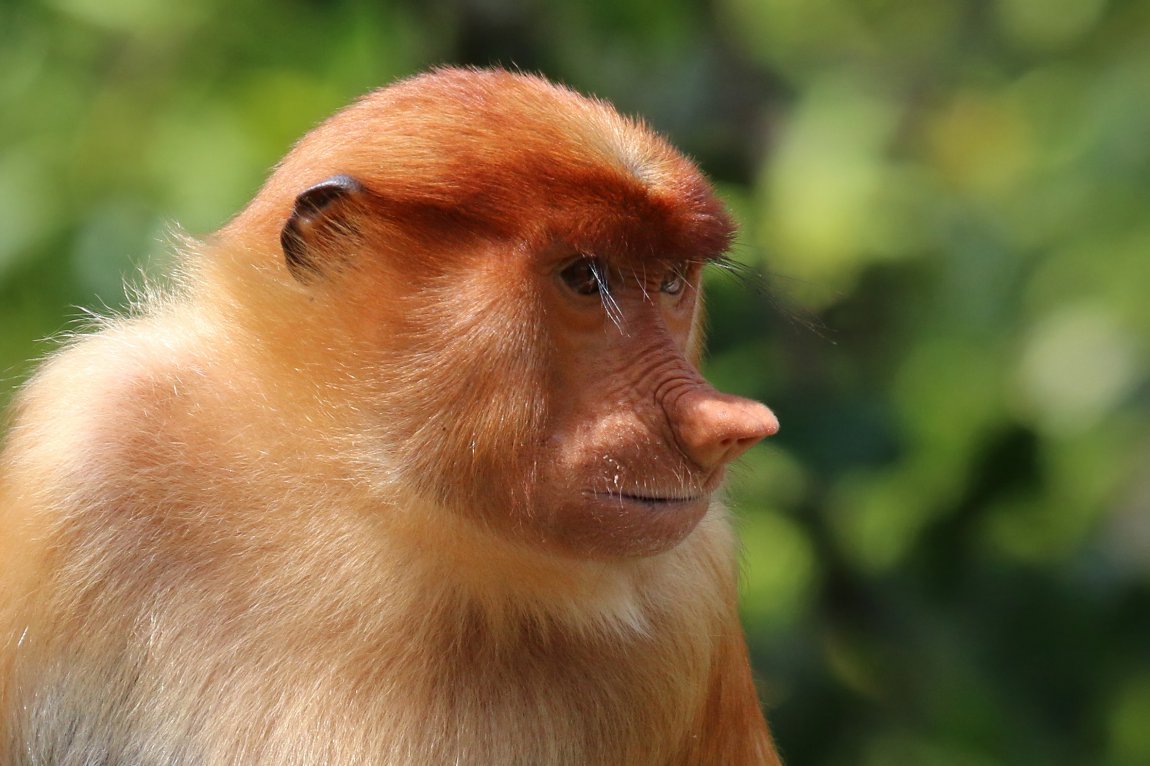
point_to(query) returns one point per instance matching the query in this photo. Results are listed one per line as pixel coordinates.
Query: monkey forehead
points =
(467, 123)
(507, 152)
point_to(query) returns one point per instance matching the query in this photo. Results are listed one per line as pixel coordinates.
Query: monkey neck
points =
(509, 581)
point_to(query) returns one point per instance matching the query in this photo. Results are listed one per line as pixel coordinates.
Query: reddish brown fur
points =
(412, 502)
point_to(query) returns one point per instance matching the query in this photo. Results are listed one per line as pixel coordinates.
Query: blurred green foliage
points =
(948, 546)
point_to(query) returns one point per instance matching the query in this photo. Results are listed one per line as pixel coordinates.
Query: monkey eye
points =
(586, 276)
(674, 282)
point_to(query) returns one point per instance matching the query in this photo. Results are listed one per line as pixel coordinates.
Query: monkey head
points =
(501, 278)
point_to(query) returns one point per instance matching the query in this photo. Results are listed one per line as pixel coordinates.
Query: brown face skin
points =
(638, 441)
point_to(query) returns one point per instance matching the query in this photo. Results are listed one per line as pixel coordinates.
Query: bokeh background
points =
(947, 548)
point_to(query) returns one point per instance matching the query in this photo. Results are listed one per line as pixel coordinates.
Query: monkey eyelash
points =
(747, 276)
(729, 265)
(588, 275)
(614, 313)
(761, 283)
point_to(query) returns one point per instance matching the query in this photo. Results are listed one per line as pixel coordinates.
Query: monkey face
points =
(637, 441)
(519, 299)
(566, 409)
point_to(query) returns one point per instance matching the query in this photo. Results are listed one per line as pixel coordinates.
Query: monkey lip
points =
(656, 500)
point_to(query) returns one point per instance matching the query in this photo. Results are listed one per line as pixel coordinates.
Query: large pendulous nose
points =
(713, 428)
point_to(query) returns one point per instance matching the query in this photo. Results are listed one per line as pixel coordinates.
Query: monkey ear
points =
(319, 211)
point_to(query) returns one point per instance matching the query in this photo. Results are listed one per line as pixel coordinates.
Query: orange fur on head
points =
(414, 466)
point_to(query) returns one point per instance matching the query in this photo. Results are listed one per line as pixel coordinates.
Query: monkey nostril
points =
(734, 446)
(742, 445)
(743, 442)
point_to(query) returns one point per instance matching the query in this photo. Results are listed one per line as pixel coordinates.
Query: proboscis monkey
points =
(412, 464)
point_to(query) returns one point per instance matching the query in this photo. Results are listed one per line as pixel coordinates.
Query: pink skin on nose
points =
(713, 428)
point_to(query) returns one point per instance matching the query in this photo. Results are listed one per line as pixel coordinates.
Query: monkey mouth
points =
(654, 500)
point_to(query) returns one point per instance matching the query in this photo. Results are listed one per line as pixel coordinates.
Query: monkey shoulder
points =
(95, 414)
